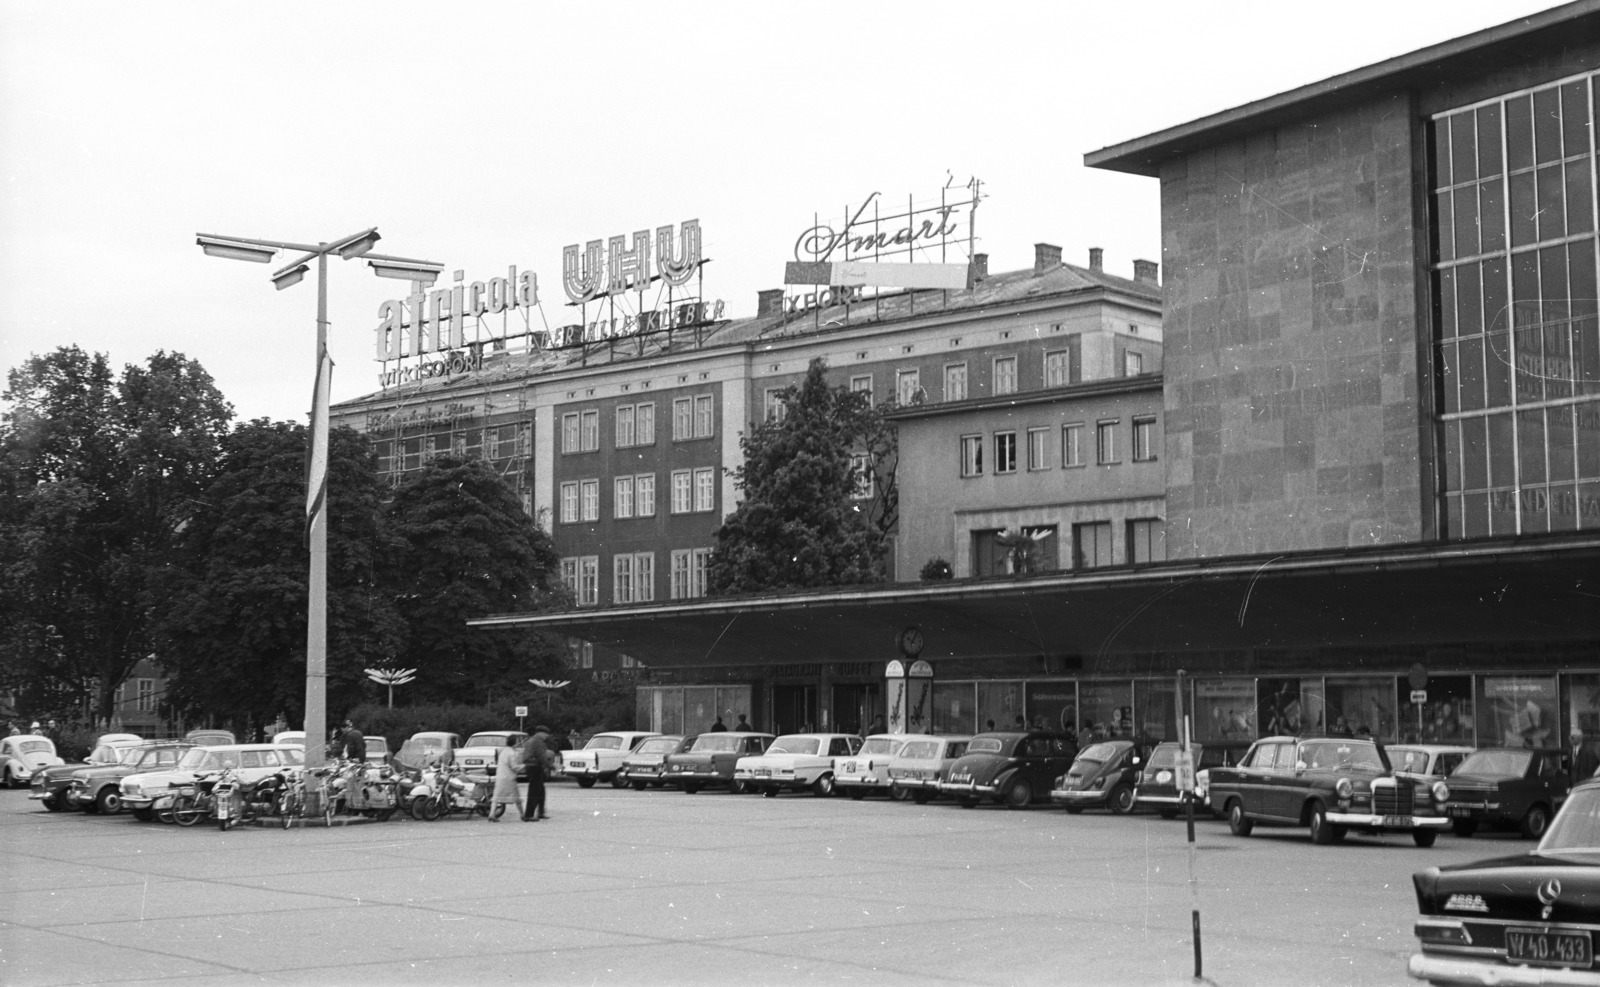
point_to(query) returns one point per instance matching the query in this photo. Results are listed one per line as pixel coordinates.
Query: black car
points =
(1157, 787)
(1014, 769)
(1520, 787)
(1525, 919)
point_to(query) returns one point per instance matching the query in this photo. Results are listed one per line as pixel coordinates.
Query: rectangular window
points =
(590, 431)
(1091, 545)
(774, 404)
(569, 434)
(1072, 445)
(527, 502)
(862, 384)
(644, 492)
(682, 419)
(1062, 367)
(589, 499)
(705, 490)
(1005, 375)
(1005, 452)
(699, 576)
(1144, 430)
(385, 453)
(569, 576)
(644, 424)
(861, 471)
(907, 383)
(622, 497)
(625, 430)
(955, 382)
(1106, 441)
(622, 579)
(1038, 448)
(1144, 540)
(144, 695)
(644, 577)
(569, 503)
(1132, 364)
(703, 418)
(588, 580)
(679, 588)
(682, 489)
(972, 455)
(586, 655)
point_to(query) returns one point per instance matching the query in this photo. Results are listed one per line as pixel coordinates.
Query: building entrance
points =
(794, 708)
(856, 705)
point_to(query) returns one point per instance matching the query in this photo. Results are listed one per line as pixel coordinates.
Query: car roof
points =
(496, 733)
(1432, 748)
(251, 747)
(743, 733)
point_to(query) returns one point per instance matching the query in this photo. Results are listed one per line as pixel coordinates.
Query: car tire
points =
(1323, 832)
(586, 781)
(1424, 837)
(1120, 801)
(1463, 827)
(922, 796)
(1018, 795)
(143, 815)
(1238, 823)
(640, 786)
(618, 781)
(109, 801)
(690, 788)
(55, 803)
(898, 793)
(1535, 822)
(823, 786)
(384, 815)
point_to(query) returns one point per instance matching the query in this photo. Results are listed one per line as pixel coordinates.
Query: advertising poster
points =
(919, 706)
(896, 698)
(1054, 706)
(1224, 710)
(1518, 711)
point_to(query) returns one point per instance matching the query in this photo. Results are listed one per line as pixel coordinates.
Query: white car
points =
(22, 755)
(867, 771)
(482, 750)
(251, 762)
(922, 763)
(796, 761)
(601, 757)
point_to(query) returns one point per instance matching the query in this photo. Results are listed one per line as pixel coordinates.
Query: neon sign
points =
(438, 316)
(597, 274)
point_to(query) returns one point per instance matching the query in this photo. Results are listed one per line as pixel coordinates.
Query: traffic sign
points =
(1418, 676)
(522, 711)
(1185, 770)
(1419, 696)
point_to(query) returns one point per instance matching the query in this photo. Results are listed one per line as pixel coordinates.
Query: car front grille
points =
(1394, 800)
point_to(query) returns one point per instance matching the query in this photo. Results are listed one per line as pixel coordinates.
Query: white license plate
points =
(1399, 822)
(763, 773)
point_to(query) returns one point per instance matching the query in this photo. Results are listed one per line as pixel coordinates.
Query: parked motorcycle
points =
(445, 789)
(363, 788)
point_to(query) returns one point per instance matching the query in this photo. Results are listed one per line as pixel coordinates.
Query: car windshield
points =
(1099, 753)
(1341, 754)
(293, 755)
(880, 745)
(193, 758)
(132, 755)
(659, 745)
(986, 745)
(1577, 825)
(795, 745)
(1512, 763)
(1164, 756)
(377, 745)
(713, 743)
(487, 740)
(921, 749)
(1408, 759)
(603, 744)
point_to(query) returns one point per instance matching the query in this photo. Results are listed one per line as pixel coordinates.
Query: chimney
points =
(1096, 259)
(769, 302)
(1045, 256)
(979, 268)
(1145, 270)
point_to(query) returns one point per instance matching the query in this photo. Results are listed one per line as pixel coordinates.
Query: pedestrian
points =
(743, 725)
(1584, 761)
(12, 726)
(536, 756)
(52, 731)
(719, 726)
(36, 729)
(507, 763)
(878, 725)
(352, 744)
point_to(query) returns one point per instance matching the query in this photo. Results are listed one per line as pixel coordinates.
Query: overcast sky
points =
(485, 135)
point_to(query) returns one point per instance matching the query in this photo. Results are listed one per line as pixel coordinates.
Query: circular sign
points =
(911, 642)
(1418, 676)
(1163, 777)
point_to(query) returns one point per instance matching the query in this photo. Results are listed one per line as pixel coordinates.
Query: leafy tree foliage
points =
(470, 550)
(233, 612)
(800, 523)
(96, 475)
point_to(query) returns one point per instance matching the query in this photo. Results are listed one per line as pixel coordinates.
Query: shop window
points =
(1155, 709)
(999, 706)
(1518, 711)
(1445, 718)
(1004, 552)
(955, 709)
(1281, 707)
(1105, 710)
(1360, 707)
(1053, 706)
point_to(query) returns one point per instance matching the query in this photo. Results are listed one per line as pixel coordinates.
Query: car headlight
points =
(1344, 787)
(1061, 782)
(1441, 792)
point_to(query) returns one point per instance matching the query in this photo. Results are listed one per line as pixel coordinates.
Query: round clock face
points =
(911, 641)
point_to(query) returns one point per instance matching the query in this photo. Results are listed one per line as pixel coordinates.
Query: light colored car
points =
(797, 762)
(867, 771)
(99, 789)
(922, 762)
(251, 763)
(429, 747)
(22, 756)
(711, 760)
(49, 785)
(118, 739)
(482, 749)
(1430, 761)
(601, 758)
(646, 766)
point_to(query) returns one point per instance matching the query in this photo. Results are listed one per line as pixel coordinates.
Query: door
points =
(856, 706)
(794, 708)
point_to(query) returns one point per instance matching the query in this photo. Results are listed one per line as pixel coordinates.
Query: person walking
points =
(507, 763)
(535, 755)
(719, 726)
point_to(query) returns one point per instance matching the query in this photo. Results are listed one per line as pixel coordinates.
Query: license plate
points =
(763, 772)
(1460, 810)
(1398, 822)
(1544, 948)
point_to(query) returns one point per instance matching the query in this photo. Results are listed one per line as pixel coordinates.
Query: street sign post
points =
(522, 713)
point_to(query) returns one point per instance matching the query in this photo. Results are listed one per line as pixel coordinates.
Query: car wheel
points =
(690, 788)
(1323, 832)
(1120, 801)
(586, 781)
(109, 801)
(822, 787)
(736, 787)
(898, 793)
(617, 781)
(1535, 822)
(1463, 827)
(143, 815)
(9, 781)
(1019, 794)
(770, 792)
(922, 796)
(640, 786)
(857, 793)
(1423, 837)
(1238, 823)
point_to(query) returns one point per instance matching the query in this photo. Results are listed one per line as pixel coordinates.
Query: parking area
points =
(623, 887)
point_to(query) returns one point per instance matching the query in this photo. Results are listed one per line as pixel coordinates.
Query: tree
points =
(803, 521)
(469, 549)
(233, 618)
(96, 477)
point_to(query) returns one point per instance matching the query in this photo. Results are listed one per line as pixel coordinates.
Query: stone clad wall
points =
(1292, 412)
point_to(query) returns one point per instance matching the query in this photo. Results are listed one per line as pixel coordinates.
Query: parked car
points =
(867, 771)
(428, 747)
(49, 786)
(1430, 761)
(208, 737)
(118, 739)
(711, 760)
(378, 750)
(22, 755)
(1329, 785)
(251, 763)
(645, 765)
(796, 762)
(1507, 786)
(1014, 769)
(482, 750)
(1103, 775)
(99, 789)
(921, 764)
(1530, 918)
(602, 756)
(1157, 787)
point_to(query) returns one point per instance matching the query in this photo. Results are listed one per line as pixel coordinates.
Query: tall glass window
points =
(1514, 283)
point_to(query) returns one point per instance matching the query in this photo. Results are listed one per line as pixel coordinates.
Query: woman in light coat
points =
(507, 763)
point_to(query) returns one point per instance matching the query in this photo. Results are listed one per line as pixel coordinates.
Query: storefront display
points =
(1106, 709)
(1359, 707)
(1225, 710)
(999, 705)
(1054, 705)
(954, 711)
(1155, 709)
(1446, 716)
(1518, 711)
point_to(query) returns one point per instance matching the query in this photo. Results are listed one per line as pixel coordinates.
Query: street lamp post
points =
(391, 677)
(549, 687)
(349, 247)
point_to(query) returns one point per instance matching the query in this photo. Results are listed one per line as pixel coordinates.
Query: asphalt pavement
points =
(660, 888)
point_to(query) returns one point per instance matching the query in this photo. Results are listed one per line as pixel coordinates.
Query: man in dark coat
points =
(352, 743)
(1584, 761)
(719, 726)
(535, 757)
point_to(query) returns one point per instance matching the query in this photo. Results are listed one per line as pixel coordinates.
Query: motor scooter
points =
(445, 789)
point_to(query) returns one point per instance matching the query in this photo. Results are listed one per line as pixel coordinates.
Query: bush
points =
(937, 568)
